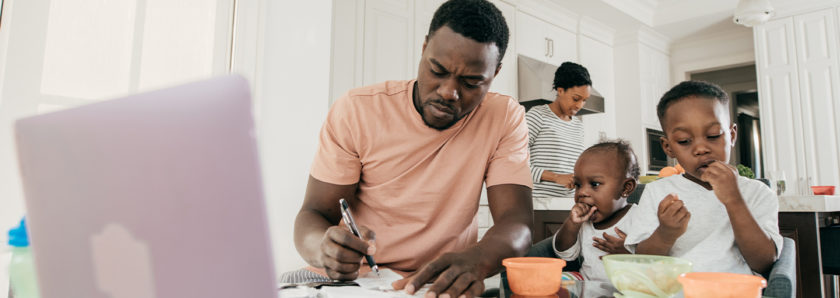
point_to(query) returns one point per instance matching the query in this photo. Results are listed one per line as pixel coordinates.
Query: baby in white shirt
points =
(605, 175)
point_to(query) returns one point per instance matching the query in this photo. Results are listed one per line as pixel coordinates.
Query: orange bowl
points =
(532, 276)
(721, 285)
(823, 190)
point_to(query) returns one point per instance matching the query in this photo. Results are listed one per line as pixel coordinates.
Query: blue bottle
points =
(21, 268)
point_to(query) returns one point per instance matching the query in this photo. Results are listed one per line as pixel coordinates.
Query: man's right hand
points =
(673, 217)
(342, 252)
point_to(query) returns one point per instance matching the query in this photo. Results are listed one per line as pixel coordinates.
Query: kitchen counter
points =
(786, 203)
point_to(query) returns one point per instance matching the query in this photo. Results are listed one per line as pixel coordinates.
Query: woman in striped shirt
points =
(555, 136)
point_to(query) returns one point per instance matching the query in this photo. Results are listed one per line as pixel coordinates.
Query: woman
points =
(555, 136)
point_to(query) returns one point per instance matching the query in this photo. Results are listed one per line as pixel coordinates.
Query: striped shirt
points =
(555, 145)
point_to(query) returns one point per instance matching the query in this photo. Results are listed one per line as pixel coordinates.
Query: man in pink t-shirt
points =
(410, 158)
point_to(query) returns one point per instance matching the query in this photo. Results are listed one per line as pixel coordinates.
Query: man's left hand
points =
(723, 178)
(454, 274)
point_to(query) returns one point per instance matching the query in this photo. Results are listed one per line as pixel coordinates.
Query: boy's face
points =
(601, 182)
(698, 131)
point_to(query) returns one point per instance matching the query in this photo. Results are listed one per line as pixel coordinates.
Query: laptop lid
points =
(151, 195)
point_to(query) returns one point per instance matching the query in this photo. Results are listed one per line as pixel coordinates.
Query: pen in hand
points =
(348, 220)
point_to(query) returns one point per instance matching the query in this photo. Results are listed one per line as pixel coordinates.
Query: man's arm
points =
(319, 239)
(464, 272)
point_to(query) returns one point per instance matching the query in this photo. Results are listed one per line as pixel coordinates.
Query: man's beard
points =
(455, 117)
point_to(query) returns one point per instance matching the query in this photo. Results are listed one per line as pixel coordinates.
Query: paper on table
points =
(371, 285)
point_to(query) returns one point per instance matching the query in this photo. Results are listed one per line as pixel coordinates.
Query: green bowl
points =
(645, 275)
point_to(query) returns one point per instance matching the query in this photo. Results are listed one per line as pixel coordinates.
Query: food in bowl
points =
(645, 275)
(534, 276)
(823, 190)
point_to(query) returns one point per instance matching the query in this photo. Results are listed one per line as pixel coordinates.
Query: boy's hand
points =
(581, 212)
(723, 178)
(610, 244)
(673, 217)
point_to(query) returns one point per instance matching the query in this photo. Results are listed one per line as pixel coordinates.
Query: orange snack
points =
(668, 171)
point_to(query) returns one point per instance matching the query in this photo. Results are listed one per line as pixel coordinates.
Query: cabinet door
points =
(531, 37)
(779, 100)
(816, 51)
(562, 45)
(506, 81)
(388, 41)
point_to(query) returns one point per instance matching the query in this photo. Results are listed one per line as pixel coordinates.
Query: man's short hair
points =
(690, 89)
(478, 20)
(571, 74)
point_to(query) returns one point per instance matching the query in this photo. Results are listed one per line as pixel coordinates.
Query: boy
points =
(711, 216)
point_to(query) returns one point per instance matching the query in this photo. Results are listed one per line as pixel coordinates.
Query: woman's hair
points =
(627, 157)
(571, 74)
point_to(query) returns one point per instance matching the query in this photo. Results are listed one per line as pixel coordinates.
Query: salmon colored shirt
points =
(419, 187)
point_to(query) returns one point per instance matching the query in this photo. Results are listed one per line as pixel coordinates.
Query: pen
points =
(348, 220)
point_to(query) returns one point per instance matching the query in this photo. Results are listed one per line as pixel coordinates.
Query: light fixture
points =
(753, 12)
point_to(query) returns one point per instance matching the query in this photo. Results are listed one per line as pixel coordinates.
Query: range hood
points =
(536, 79)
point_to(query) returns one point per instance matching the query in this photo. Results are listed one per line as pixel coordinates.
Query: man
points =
(410, 158)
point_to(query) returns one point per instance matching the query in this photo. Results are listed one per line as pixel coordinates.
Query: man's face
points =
(455, 73)
(698, 132)
(571, 100)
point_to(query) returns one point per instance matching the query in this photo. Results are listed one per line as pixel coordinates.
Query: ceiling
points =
(675, 19)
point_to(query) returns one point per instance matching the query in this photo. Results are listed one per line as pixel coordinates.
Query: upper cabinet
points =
(389, 41)
(797, 64)
(544, 41)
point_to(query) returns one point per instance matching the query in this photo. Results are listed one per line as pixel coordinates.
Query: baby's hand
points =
(581, 212)
(673, 217)
(724, 180)
(610, 244)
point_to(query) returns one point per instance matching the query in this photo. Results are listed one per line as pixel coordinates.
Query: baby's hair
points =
(690, 89)
(624, 151)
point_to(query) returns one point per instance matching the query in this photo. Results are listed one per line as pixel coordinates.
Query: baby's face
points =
(599, 181)
(698, 132)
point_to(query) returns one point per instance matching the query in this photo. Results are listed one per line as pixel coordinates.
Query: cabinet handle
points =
(546, 46)
(551, 45)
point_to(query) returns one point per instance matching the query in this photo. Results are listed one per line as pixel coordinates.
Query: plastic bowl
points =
(645, 275)
(532, 276)
(823, 190)
(723, 285)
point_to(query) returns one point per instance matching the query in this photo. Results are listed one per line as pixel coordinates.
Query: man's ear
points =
(666, 146)
(628, 187)
(425, 41)
(498, 68)
(734, 133)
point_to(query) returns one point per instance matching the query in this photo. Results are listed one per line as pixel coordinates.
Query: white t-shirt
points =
(592, 268)
(709, 241)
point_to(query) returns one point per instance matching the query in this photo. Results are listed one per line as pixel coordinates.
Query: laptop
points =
(155, 195)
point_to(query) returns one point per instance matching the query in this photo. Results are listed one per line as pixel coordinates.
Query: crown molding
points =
(550, 12)
(642, 10)
(596, 30)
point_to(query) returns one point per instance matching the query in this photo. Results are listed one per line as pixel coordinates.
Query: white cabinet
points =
(798, 95)
(389, 41)
(655, 81)
(544, 41)
(506, 82)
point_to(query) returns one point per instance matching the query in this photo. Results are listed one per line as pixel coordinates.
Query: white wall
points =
(293, 80)
(711, 51)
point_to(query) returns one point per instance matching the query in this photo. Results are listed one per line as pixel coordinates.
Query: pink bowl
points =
(823, 190)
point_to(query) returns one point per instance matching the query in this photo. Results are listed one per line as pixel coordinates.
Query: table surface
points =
(574, 289)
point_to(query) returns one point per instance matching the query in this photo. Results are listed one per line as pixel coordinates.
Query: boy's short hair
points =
(629, 162)
(571, 74)
(688, 89)
(478, 20)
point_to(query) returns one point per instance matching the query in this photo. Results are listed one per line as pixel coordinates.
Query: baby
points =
(605, 175)
(710, 216)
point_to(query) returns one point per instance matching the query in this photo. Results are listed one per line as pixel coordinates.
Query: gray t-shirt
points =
(709, 241)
